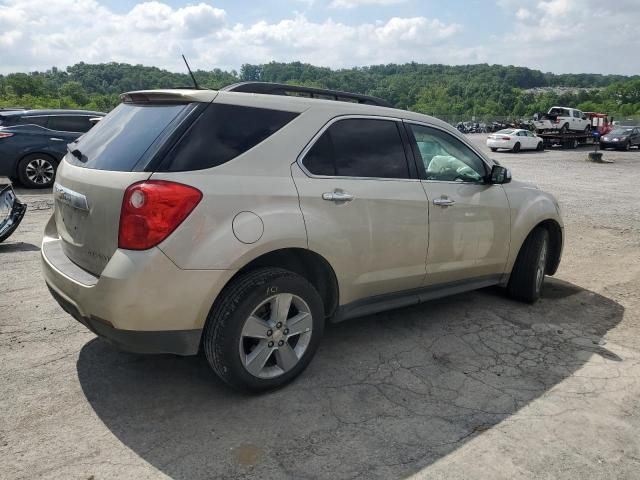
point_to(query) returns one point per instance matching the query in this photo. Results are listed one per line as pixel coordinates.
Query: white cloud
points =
(154, 33)
(360, 3)
(573, 35)
(553, 35)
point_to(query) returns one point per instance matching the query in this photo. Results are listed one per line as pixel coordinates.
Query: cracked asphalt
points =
(474, 386)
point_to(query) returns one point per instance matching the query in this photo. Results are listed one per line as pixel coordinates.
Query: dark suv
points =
(32, 142)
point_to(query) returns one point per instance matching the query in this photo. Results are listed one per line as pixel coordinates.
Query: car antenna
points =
(195, 84)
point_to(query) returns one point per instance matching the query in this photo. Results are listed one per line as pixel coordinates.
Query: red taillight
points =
(557, 120)
(5, 134)
(153, 209)
(506, 138)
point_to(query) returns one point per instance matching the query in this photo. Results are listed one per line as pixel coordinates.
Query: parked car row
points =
(515, 140)
(32, 142)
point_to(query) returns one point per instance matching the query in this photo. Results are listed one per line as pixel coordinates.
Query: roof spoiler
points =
(268, 88)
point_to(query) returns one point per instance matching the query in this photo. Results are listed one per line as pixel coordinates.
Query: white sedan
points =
(514, 139)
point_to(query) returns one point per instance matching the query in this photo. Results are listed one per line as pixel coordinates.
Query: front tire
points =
(527, 276)
(540, 147)
(264, 329)
(37, 170)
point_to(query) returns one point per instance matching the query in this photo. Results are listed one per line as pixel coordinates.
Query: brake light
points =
(152, 210)
(506, 138)
(557, 120)
(6, 134)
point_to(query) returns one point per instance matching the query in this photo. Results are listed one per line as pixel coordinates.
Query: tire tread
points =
(522, 280)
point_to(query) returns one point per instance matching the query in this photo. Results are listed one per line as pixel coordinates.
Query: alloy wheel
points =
(40, 171)
(276, 335)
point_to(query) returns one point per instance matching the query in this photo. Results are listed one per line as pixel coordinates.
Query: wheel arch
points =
(556, 240)
(306, 263)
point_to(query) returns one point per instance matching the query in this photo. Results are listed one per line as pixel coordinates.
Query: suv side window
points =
(577, 114)
(40, 121)
(359, 147)
(222, 133)
(445, 158)
(77, 123)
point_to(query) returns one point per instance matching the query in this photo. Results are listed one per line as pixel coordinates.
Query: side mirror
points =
(499, 175)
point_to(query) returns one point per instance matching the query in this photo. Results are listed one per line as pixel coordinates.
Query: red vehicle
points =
(599, 122)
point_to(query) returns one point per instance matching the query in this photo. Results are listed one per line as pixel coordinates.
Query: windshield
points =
(120, 140)
(621, 131)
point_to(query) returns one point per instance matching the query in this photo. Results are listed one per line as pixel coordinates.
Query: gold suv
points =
(236, 222)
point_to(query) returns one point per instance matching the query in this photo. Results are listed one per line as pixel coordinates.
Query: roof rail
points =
(268, 88)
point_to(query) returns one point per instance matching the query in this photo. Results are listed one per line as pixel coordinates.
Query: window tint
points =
(121, 138)
(446, 158)
(319, 160)
(362, 148)
(222, 133)
(41, 121)
(577, 114)
(78, 123)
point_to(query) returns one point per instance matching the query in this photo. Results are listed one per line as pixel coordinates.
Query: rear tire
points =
(494, 149)
(37, 170)
(565, 128)
(527, 276)
(516, 148)
(233, 340)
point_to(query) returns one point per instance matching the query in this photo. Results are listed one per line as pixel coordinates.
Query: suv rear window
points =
(222, 133)
(120, 140)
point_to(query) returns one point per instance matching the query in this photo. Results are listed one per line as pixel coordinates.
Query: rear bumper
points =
(179, 342)
(499, 144)
(15, 211)
(141, 302)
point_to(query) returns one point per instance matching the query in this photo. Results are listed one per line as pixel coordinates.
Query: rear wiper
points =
(74, 151)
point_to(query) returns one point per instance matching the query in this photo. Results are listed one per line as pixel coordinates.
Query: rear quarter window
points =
(222, 133)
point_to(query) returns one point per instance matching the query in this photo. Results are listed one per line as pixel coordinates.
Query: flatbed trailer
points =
(567, 140)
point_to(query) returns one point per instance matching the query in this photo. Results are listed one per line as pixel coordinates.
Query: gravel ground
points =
(473, 386)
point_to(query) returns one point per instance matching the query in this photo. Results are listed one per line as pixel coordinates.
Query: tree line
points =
(484, 91)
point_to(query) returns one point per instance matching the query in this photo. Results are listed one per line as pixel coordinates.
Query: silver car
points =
(238, 223)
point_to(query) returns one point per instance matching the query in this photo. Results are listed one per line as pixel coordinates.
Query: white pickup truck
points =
(562, 119)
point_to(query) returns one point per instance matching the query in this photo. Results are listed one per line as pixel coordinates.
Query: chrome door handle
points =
(337, 196)
(443, 202)
(56, 139)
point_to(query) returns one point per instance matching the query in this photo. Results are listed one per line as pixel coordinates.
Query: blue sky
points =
(552, 35)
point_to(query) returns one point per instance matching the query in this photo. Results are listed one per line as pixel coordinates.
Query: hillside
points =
(450, 92)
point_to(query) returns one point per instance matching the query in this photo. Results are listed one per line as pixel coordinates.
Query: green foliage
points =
(450, 92)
